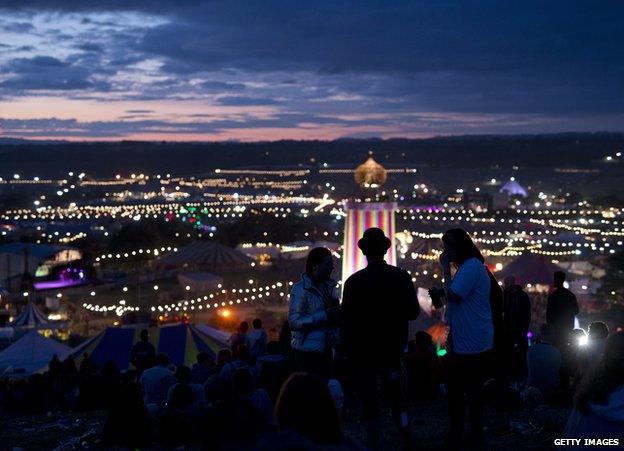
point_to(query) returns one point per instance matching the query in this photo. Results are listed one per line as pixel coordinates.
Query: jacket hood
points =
(613, 410)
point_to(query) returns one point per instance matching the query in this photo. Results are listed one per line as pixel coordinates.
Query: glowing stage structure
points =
(370, 211)
(362, 216)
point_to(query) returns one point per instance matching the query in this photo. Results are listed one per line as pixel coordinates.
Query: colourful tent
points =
(207, 256)
(181, 342)
(530, 268)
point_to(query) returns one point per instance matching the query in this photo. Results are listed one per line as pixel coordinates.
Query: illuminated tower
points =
(366, 212)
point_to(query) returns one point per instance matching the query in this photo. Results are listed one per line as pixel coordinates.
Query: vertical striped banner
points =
(360, 217)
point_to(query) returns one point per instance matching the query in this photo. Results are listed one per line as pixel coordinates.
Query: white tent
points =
(513, 188)
(30, 354)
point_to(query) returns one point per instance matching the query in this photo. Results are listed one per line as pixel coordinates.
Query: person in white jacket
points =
(598, 411)
(313, 315)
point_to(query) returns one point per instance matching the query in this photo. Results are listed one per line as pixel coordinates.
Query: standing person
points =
(471, 337)
(380, 297)
(257, 340)
(240, 336)
(313, 314)
(143, 353)
(516, 320)
(561, 308)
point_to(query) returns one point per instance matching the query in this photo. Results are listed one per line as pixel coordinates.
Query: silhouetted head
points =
(459, 246)
(184, 374)
(305, 406)
(162, 359)
(242, 383)
(319, 264)
(509, 281)
(547, 333)
(243, 327)
(374, 243)
(257, 323)
(224, 356)
(559, 278)
(598, 330)
(181, 396)
(203, 358)
(144, 335)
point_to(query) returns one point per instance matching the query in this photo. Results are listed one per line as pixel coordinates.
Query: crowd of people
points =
(356, 354)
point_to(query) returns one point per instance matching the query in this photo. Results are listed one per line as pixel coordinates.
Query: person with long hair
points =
(306, 410)
(313, 315)
(471, 336)
(599, 401)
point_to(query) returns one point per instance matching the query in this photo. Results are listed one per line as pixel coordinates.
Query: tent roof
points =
(30, 316)
(513, 188)
(30, 354)
(207, 254)
(181, 342)
(530, 268)
(200, 276)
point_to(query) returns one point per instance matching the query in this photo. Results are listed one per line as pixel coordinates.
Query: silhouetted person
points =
(561, 308)
(156, 382)
(544, 364)
(143, 353)
(380, 297)
(591, 353)
(306, 410)
(240, 336)
(313, 314)
(127, 422)
(516, 320)
(471, 337)
(201, 369)
(599, 401)
(421, 365)
(257, 340)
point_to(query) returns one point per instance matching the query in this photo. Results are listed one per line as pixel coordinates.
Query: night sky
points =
(265, 70)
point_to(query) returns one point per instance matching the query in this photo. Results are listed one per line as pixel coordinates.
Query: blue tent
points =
(31, 316)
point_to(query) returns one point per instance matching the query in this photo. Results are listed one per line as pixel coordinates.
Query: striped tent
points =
(530, 268)
(207, 255)
(181, 342)
(31, 316)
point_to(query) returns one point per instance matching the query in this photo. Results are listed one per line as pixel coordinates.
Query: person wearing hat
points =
(377, 304)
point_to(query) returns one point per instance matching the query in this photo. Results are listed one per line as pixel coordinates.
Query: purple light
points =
(48, 284)
(529, 335)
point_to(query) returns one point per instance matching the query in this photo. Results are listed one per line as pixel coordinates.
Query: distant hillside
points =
(107, 159)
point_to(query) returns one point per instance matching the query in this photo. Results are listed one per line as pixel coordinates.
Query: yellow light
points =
(225, 313)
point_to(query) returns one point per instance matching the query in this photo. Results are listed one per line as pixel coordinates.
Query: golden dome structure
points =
(370, 174)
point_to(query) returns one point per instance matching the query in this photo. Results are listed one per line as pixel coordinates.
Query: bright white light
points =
(582, 341)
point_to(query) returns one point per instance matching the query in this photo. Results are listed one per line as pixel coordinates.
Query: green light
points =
(441, 352)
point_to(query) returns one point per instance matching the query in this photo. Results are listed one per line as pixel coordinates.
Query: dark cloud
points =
(17, 27)
(557, 61)
(246, 101)
(47, 73)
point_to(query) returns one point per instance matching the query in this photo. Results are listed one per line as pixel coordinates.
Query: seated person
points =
(544, 363)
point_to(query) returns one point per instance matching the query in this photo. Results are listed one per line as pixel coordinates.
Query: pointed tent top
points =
(370, 174)
(30, 354)
(31, 316)
(513, 188)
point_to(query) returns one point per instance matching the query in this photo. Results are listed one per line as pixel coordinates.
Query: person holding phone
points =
(471, 337)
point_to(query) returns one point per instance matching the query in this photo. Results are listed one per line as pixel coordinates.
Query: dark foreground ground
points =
(529, 429)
